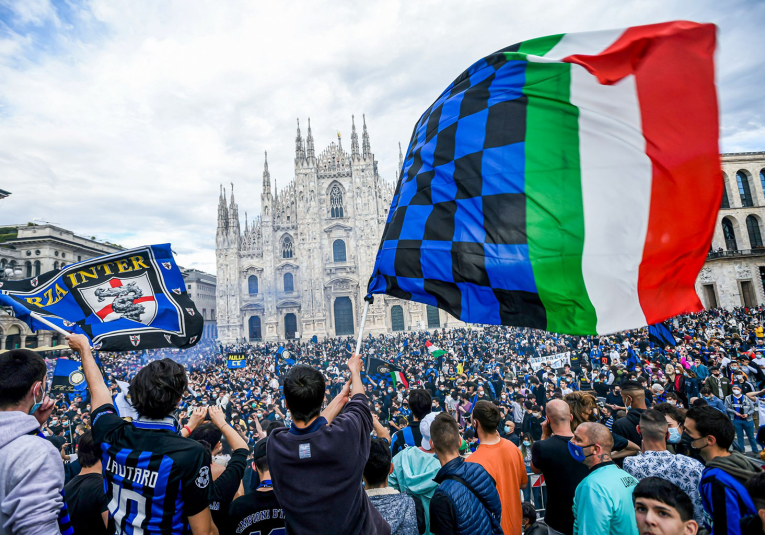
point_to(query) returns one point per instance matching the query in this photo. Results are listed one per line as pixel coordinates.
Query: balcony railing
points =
(736, 253)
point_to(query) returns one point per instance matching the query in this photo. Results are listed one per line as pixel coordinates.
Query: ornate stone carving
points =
(743, 271)
(706, 276)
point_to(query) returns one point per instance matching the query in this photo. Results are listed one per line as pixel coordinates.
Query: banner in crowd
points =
(477, 226)
(236, 360)
(558, 360)
(379, 370)
(282, 356)
(130, 300)
(660, 335)
(68, 378)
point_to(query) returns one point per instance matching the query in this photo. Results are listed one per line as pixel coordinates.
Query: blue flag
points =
(68, 378)
(133, 299)
(282, 355)
(236, 360)
(661, 335)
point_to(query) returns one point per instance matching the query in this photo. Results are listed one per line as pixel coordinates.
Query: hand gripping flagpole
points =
(363, 322)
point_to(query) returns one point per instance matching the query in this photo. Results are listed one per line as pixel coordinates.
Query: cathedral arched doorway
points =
(434, 318)
(255, 332)
(290, 326)
(343, 316)
(397, 318)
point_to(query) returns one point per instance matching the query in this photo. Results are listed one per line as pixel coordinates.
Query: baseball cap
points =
(425, 429)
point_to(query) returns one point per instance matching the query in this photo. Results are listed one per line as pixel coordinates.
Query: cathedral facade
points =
(301, 268)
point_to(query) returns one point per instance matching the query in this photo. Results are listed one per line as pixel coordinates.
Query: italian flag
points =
(434, 350)
(622, 173)
(399, 378)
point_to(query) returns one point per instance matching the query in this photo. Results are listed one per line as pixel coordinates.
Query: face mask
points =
(674, 435)
(37, 404)
(577, 452)
(507, 429)
(526, 443)
(737, 392)
(537, 415)
(687, 441)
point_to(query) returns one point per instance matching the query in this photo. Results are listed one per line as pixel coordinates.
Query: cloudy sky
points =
(120, 118)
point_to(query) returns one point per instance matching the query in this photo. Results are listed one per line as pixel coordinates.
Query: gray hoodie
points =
(31, 478)
(398, 509)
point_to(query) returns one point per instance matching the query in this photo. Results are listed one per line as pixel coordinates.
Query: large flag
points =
(282, 355)
(569, 183)
(436, 352)
(131, 300)
(68, 378)
(379, 370)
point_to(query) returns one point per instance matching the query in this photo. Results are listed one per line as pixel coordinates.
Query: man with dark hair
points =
(420, 403)
(31, 472)
(755, 524)
(633, 396)
(85, 498)
(656, 461)
(603, 500)
(529, 521)
(504, 462)
(318, 462)
(712, 400)
(399, 510)
(156, 480)
(722, 490)
(466, 500)
(257, 511)
(662, 508)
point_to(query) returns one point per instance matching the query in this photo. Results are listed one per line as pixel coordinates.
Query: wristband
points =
(186, 427)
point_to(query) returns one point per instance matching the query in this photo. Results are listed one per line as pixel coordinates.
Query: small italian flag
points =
(399, 378)
(434, 350)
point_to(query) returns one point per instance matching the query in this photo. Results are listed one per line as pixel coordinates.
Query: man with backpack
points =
(420, 403)
(466, 500)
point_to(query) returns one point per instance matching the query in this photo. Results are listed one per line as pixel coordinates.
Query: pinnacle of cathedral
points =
(400, 158)
(354, 139)
(299, 148)
(246, 224)
(365, 147)
(233, 211)
(310, 152)
(339, 142)
(266, 177)
(222, 209)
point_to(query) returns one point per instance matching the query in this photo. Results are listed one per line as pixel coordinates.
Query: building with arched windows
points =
(302, 266)
(734, 273)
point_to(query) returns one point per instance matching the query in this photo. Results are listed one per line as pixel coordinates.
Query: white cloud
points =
(120, 118)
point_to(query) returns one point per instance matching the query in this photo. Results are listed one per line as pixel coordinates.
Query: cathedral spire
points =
(299, 149)
(266, 177)
(310, 153)
(400, 158)
(246, 224)
(233, 212)
(339, 142)
(222, 209)
(365, 147)
(354, 139)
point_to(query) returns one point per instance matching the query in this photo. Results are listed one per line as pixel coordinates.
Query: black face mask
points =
(686, 440)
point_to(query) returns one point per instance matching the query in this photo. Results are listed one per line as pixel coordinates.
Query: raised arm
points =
(337, 404)
(218, 418)
(99, 393)
(354, 365)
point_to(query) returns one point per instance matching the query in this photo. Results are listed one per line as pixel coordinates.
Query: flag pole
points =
(361, 327)
(56, 328)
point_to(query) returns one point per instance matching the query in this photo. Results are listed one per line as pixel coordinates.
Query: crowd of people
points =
(493, 430)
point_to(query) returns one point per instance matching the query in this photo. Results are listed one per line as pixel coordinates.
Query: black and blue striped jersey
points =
(154, 479)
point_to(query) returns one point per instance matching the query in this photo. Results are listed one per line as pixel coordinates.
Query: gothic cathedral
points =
(302, 267)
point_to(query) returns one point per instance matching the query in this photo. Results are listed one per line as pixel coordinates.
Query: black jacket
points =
(627, 426)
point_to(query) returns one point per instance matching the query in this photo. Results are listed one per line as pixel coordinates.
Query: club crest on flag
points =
(67, 323)
(33, 282)
(167, 337)
(135, 339)
(129, 298)
(190, 311)
(193, 339)
(97, 345)
(1, 284)
(166, 265)
(177, 291)
(76, 378)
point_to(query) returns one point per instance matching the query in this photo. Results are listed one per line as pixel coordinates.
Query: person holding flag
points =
(156, 480)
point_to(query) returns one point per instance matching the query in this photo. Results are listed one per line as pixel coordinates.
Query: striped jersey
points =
(154, 479)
